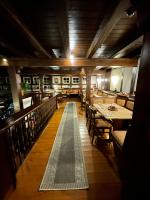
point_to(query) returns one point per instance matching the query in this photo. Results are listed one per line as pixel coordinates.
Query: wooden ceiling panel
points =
(85, 28)
(40, 19)
(81, 22)
(123, 33)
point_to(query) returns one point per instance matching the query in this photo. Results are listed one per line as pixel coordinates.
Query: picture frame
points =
(66, 80)
(56, 80)
(75, 80)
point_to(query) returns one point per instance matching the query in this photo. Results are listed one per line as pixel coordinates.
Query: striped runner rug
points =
(65, 169)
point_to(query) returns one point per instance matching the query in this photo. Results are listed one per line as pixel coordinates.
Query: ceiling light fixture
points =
(71, 58)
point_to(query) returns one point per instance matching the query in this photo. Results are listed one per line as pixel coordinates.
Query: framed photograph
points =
(56, 80)
(46, 80)
(27, 79)
(35, 79)
(75, 80)
(66, 80)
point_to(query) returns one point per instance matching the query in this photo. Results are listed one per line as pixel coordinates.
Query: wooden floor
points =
(103, 180)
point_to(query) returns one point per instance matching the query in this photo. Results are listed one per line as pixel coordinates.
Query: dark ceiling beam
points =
(122, 52)
(37, 71)
(11, 49)
(106, 27)
(17, 22)
(62, 20)
(32, 71)
(33, 62)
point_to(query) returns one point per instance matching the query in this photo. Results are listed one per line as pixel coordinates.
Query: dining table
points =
(120, 116)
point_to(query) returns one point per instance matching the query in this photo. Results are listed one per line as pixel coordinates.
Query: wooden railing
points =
(37, 96)
(21, 133)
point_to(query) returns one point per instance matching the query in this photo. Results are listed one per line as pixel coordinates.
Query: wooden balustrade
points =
(37, 96)
(19, 136)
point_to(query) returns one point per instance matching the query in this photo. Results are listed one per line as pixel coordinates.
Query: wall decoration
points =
(27, 79)
(56, 80)
(66, 80)
(75, 80)
(35, 79)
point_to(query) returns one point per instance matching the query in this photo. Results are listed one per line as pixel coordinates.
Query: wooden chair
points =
(87, 112)
(92, 115)
(100, 127)
(83, 101)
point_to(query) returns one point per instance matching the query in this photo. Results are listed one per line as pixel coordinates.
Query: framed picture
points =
(66, 80)
(35, 79)
(46, 80)
(27, 79)
(56, 80)
(75, 80)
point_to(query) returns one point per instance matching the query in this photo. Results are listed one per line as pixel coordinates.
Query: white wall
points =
(137, 72)
(123, 76)
(93, 80)
(127, 78)
(116, 77)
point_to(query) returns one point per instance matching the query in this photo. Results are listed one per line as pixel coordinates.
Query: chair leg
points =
(92, 139)
(89, 125)
(93, 136)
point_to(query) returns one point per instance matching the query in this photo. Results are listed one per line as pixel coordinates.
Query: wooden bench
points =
(118, 138)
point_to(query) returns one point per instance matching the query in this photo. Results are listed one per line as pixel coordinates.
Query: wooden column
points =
(88, 83)
(41, 76)
(81, 84)
(15, 85)
(107, 77)
(136, 149)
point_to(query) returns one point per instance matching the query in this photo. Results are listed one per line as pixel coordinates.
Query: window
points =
(75, 80)
(66, 80)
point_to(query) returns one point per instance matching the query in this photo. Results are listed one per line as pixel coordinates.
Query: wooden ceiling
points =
(54, 29)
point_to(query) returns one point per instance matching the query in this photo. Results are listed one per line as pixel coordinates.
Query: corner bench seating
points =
(118, 138)
(129, 104)
(103, 99)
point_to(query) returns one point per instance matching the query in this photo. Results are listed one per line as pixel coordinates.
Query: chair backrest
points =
(109, 99)
(130, 104)
(121, 102)
(93, 109)
(97, 100)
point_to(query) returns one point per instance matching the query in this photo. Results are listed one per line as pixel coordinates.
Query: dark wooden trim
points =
(136, 160)
(62, 62)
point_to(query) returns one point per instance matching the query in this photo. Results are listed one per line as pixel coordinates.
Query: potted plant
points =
(24, 87)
